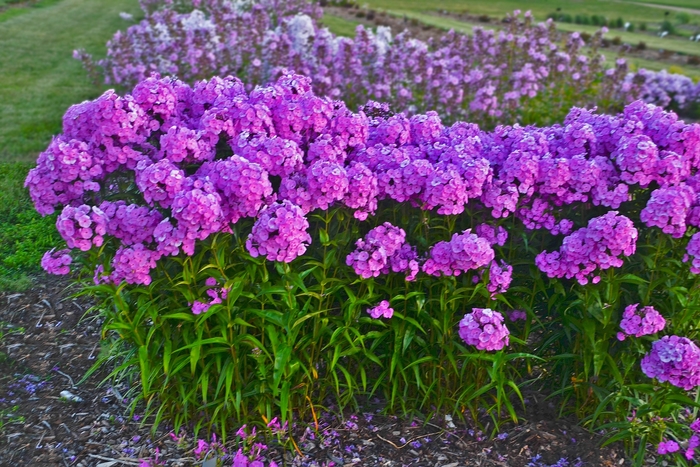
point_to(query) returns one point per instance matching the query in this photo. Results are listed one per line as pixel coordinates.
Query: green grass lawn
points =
(694, 4)
(39, 79)
(340, 26)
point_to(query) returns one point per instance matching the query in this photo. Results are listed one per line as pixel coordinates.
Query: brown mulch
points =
(47, 348)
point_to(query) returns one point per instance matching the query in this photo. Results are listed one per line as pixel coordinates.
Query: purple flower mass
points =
(382, 250)
(674, 359)
(486, 75)
(383, 310)
(57, 262)
(484, 329)
(464, 252)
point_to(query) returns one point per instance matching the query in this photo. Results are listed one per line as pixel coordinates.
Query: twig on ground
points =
(409, 441)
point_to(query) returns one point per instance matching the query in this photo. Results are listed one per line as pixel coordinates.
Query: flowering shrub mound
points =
(262, 249)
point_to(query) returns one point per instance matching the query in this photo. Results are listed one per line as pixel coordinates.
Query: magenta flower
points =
(57, 262)
(279, 233)
(484, 329)
(640, 322)
(674, 359)
(383, 310)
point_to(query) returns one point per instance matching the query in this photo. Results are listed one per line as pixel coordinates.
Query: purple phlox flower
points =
(383, 310)
(464, 252)
(382, 250)
(57, 262)
(667, 447)
(279, 233)
(640, 322)
(597, 246)
(674, 359)
(484, 329)
(517, 315)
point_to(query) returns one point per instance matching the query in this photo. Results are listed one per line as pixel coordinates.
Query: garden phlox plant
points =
(256, 245)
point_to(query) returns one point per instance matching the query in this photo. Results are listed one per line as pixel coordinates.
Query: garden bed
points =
(47, 347)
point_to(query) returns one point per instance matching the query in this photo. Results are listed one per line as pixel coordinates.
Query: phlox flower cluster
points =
(130, 223)
(665, 89)
(325, 155)
(591, 249)
(674, 359)
(464, 252)
(640, 322)
(82, 227)
(494, 235)
(693, 253)
(382, 250)
(669, 208)
(517, 315)
(383, 310)
(244, 186)
(216, 295)
(667, 447)
(279, 233)
(57, 262)
(64, 173)
(500, 277)
(133, 264)
(484, 329)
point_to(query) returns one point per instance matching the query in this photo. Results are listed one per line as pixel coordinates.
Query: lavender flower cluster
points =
(640, 322)
(674, 359)
(665, 89)
(484, 329)
(486, 75)
(590, 249)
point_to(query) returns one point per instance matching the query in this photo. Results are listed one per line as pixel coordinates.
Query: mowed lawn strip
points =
(39, 79)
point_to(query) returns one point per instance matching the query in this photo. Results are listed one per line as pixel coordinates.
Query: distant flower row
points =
(487, 77)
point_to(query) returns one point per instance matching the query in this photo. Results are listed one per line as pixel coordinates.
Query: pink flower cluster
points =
(693, 253)
(324, 155)
(383, 310)
(674, 359)
(484, 329)
(591, 249)
(57, 262)
(383, 249)
(82, 227)
(464, 252)
(216, 296)
(279, 233)
(640, 322)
